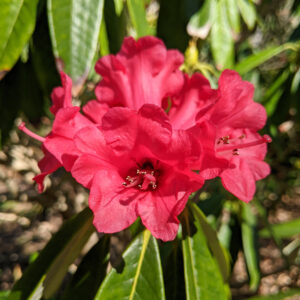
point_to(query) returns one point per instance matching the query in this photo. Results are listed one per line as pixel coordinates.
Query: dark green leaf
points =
(115, 26)
(221, 38)
(203, 279)
(90, 273)
(74, 27)
(45, 274)
(17, 21)
(283, 230)
(139, 277)
(250, 245)
(137, 14)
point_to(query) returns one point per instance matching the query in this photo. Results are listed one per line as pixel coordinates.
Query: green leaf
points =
(260, 57)
(90, 272)
(200, 23)
(119, 5)
(46, 273)
(248, 12)
(221, 39)
(140, 276)
(279, 296)
(137, 14)
(74, 27)
(250, 241)
(115, 26)
(103, 39)
(222, 257)
(203, 279)
(17, 21)
(233, 15)
(283, 230)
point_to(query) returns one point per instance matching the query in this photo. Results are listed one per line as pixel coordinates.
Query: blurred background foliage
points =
(258, 38)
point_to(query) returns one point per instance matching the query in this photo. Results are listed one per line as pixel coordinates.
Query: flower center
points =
(237, 144)
(144, 178)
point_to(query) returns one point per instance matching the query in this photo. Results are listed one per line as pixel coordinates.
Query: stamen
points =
(23, 128)
(265, 139)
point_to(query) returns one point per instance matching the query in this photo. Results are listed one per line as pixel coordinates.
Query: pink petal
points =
(259, 169)
(144, 71)
(239, 180)
(114, 207)
(95, 111)
(62, 96)
(48, 164)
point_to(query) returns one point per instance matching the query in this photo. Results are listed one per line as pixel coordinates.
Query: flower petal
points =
(144, 71)
(114, 207)
(62, 96)
(94, 110)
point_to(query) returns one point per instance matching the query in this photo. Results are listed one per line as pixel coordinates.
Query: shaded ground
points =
(28, 220)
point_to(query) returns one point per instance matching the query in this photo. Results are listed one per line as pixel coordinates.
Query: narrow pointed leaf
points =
(17, 21)
(283, 230)
(260, 57)
(140, 275)
(137, 14)
(45, 274)
(221, 39)
(248, 12)
(250, 245)
(74, 28)
(212, 239)
(203, 279)
(233, 15)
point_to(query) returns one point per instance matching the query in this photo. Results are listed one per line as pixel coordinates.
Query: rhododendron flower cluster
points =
(153, 136)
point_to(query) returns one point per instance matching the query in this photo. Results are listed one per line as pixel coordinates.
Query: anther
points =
(235, 152)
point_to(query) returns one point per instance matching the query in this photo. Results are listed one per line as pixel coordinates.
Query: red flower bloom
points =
(144, 71)
(136, 165)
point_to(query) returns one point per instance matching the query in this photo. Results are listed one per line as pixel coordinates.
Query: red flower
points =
(144, 71)
(136, 165)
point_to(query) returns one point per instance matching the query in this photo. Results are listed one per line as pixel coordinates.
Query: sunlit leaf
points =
(221, 38)
(248, 12)
(137, 14)
(74, 27)
(140, 274)
(233, 15)
(17, 21)
(203, 279)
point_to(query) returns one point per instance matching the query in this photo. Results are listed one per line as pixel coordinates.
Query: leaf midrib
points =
(147, 236)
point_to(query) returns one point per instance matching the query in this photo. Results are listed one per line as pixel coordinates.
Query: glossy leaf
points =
(74, 27)
(90, 272)
(217, 250)
(45, 274)
(137, 14)
(119, 5)
(221, 38)
(248, 12)
(250, 239)
(200, 23)
(283, 230)
(259, 58)
(203, 279)
(140, 275)
(17, 21)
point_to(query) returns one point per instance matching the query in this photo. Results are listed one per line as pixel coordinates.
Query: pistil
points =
(23, 128)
